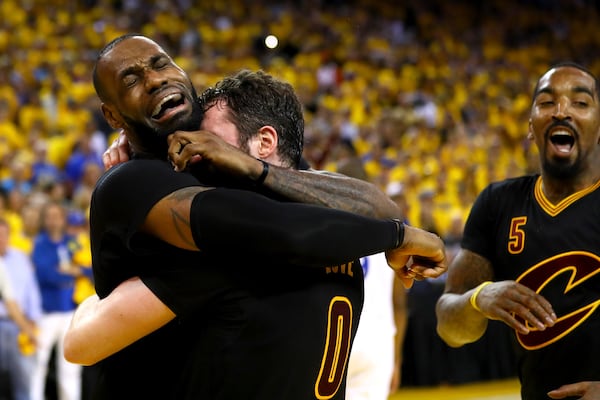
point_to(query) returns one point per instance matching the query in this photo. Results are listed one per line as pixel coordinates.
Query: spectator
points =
(56, 273)
(82, 155)
(78, 228)
(42, 170)
(18, 360)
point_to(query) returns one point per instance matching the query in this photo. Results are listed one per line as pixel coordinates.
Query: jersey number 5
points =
(337, 348)
(516, 241)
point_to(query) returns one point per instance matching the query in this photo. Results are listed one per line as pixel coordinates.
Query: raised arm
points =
(303, 186)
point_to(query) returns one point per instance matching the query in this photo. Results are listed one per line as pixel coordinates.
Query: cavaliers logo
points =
(580, 266)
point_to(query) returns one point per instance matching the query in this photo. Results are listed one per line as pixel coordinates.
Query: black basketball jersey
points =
(279, 331)
(553, 249)
(246, 328)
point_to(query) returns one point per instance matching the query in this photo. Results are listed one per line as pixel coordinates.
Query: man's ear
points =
(266, 143)
(113, 118)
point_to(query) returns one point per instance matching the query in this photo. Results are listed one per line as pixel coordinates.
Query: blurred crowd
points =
(431, 94)
(430, 97)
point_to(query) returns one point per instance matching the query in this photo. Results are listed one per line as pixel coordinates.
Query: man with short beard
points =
(530, 254)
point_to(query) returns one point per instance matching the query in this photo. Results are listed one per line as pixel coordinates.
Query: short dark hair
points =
(256, 99)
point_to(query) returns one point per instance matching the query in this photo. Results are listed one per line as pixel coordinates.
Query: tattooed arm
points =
(332, 191)
(303, 186)
(327, 189)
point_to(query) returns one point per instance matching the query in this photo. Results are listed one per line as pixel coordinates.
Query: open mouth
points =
(168, 105)
(562, 140)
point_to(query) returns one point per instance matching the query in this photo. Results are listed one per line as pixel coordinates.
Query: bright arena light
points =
(271, 41)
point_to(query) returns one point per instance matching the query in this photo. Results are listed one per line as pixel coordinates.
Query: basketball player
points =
(531, 250)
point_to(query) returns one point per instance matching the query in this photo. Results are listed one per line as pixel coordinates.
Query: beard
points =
(562, 171)
(152, 141)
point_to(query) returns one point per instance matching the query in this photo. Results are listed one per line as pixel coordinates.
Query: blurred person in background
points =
(56, 273)
(82, 155)
(20, 308)
(30, 215)
(81, 254)
(19, 176)
(78, 229)
(82, 192)
(10, 140)
(42, 170)
(13, 218)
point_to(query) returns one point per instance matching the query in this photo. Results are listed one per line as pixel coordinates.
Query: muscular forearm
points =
(331, 190)
(458, 323)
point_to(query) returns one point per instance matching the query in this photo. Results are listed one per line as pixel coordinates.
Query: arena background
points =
(430, 94)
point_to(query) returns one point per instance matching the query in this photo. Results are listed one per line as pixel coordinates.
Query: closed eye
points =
(130, 80)
(161, 62)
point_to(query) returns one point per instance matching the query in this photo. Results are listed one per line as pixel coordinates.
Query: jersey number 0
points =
(337, 348)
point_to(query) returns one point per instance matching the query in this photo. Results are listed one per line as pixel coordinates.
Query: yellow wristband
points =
(473, 299)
